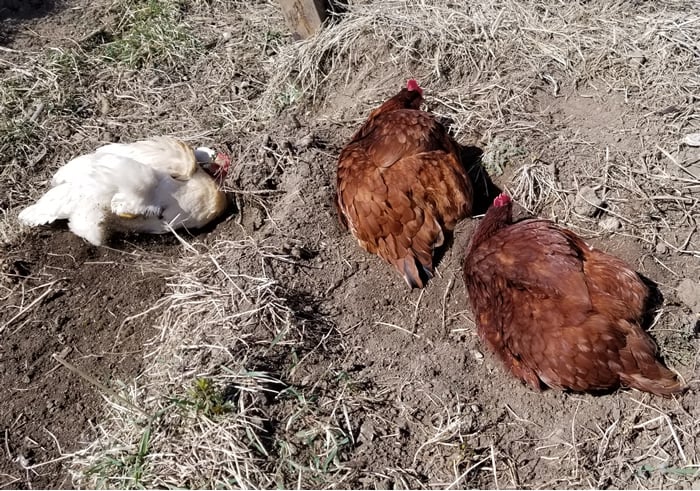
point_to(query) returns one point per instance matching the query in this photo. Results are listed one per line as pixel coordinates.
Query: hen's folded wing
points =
(163, 153)
(399, 212)
(136, 186)
(615, 288)
(536, 255)
(564, 349)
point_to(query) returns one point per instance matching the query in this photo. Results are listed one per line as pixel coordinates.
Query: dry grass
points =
(211, 391)
(123, 78)
(486, 67)
(242, 387)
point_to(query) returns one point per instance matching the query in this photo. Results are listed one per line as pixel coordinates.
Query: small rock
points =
(692, 139)
(287, 145)
(478, 355)
(384, 484)
(290, 244)
(404, 429)
(226, 36)
(636, 58)
(475, 409)
(689, 293)
(587, 202)
(306, 141)
(661, 248)
(26, 380)
(104, 105)
(366, 482)
(64, 131)
(367, 432)
(609, 224)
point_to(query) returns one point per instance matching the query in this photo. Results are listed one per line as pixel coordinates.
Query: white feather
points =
(129, 187)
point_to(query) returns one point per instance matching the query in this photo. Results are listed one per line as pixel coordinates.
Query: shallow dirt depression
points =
(271, 351)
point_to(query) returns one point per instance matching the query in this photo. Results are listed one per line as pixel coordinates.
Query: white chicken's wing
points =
(163, 153)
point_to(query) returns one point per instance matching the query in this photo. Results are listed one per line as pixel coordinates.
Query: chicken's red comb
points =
(501, 200)
(412, 85)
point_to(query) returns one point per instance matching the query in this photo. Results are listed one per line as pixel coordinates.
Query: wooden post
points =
(304, 17)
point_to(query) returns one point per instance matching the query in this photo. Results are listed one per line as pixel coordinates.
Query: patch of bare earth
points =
(280, 353)
(85, 305)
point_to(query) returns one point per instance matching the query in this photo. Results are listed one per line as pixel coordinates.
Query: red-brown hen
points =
(557, 311)
(401, 185)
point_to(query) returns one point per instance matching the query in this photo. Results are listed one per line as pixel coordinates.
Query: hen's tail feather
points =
(85, 217)
(665, 384)
(409, 268)
(642, 370)
(56, 204)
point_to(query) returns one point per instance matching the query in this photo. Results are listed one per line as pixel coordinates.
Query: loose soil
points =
(69, 300)
(435, 402)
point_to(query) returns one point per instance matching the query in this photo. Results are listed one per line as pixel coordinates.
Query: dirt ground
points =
(46, 408)
(366, 384)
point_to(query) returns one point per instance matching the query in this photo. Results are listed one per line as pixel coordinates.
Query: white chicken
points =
(148, 186)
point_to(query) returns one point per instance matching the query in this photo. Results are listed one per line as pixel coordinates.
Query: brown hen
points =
(401, 185)
(558, 312)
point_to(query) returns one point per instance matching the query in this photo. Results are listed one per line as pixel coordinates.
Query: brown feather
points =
(401, 185)
(557, 312)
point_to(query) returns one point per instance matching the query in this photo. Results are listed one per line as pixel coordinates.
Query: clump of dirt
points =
(84, 304)
(689, 293)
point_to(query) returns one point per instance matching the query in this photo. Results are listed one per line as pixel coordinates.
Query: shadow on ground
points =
(14, 12)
